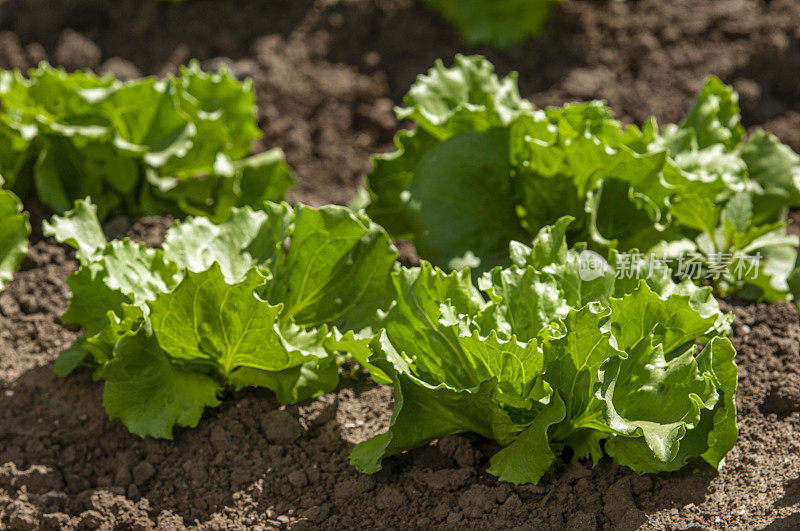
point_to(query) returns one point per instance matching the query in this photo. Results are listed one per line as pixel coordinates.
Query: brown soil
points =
(327, 74)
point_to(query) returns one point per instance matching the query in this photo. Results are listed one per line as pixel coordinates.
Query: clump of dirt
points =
(30, 308)
(329, 118)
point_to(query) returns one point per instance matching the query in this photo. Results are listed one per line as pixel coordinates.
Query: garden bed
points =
(327, 74)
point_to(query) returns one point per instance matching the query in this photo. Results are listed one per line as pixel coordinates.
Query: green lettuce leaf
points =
(530, 455)
(461, 202)
(445, 160)
(335, 270)
(14, 231)
(673, 407)
(80, 229)
(466, 97)
(150, 393)
(178, 146)
(424, 411)
(500, 23)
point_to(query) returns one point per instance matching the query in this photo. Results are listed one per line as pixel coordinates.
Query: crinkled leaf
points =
(649, 396)
(414, 328)
(146, 120)
(527, 302)
(423, 413)
(151, 394)
(14, 231)
(246, 239)
(624, 368)
(92, 298)
(218, 102)
(530, 455)
(357, 347)
(80, 229)
(500, 23)
(572, 360)
(138, 272)
(119, 322)
(392, 173)
(700, 189)
(465, 97)
(674, 322)
(684, 391)
(714, 119)
(336, 269)
(208, 321)
(447, 379)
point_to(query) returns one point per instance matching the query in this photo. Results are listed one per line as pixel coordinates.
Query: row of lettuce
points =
(533, 319)
(482, 167)
(534, 357)
(179, 146)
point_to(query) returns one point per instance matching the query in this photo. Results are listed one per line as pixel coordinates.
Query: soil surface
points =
(327, 74)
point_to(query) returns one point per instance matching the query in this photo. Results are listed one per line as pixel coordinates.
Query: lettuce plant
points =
(482, 168)
(250, 301)
(496, 22)
(177, 146)
(14, 231)
(551, 355)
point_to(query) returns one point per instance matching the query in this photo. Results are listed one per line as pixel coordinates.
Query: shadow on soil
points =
(55, 437)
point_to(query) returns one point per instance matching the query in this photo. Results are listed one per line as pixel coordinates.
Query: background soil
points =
(327, 74)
